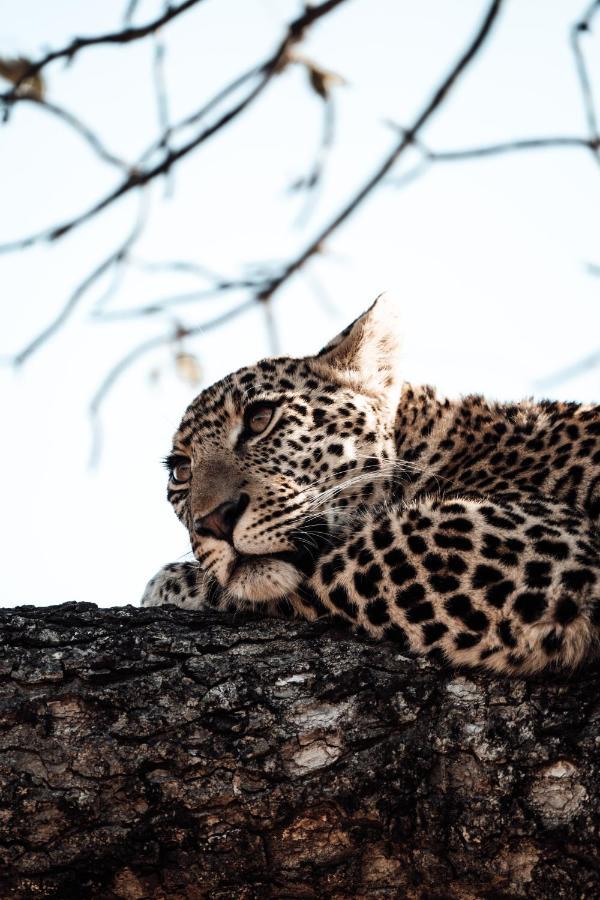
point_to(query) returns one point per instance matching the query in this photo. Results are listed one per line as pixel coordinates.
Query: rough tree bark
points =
(161, 753)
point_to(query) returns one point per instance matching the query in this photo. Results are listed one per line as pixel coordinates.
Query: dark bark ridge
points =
(162, 753)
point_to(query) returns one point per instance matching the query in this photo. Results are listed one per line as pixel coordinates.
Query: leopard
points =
(328, 487)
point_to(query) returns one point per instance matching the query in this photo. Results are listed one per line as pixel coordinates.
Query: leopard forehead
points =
(215, 413)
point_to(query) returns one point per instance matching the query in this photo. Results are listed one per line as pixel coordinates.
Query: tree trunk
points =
(161, 753)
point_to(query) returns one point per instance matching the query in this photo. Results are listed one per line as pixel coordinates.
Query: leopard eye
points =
(258, 418)
(181, 471)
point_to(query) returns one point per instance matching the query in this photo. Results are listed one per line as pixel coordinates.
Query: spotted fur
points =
(464, 529)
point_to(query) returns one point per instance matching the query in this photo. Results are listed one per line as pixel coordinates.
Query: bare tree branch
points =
(82, 289)
(140, 177)
(125, 36)
(201, 113)
(321, 293)
(589, 362)
(188, 267)
(164, 304)
(579, 28)
(130, 11)
(276, 283)
(312, 181)
(135, 180)
(271, 327)
(322, 82)
(412, 174)
(118, 274)
(517, 146)
(176, 140)
(177, 334)
(162, 105)
(407, 139)
(89, 136)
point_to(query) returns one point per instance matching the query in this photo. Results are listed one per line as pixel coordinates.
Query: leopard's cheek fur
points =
(322, 482)
(254, 578)
(179, 500)
(215, 557)
(275, 504)
(311, 473)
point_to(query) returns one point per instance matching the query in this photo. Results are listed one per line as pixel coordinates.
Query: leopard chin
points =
(262, 578)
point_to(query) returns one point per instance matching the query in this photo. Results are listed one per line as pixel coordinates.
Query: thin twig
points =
(201, 113)
(135, 180)
(187, 267)
(114, 374)
(160, 90)
(517, 145)
(164, 304)
(314, 179)
(271, 326)
(82, 289)
(583, 365)
(412, 174)
(118, 273)
(140, 177)
(320, 292)
(111, 378)
(582, 26)
(82, 129)
(125, 36)
(161, 156)
(130, 11)
(406, 140)
(162, 106)
(559, 142)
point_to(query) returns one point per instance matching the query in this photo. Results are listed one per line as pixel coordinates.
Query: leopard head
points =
(272, 459)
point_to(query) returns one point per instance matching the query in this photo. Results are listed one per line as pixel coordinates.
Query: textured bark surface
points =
(161, 753)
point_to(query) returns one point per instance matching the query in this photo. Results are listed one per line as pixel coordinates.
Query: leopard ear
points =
(366, 354)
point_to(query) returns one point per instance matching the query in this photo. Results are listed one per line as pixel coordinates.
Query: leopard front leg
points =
(186, 585)
(182, 584)
(513, 586)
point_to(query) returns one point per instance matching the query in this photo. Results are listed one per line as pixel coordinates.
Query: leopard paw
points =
(182, 584)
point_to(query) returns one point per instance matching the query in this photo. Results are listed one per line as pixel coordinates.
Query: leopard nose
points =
(221, 521)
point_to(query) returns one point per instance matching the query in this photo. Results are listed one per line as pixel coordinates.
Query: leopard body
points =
(464, 529)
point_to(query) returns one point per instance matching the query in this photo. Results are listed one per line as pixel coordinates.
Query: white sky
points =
(487, 258)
